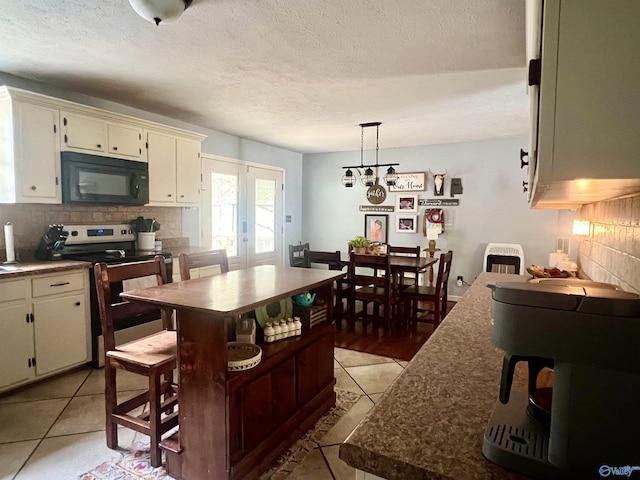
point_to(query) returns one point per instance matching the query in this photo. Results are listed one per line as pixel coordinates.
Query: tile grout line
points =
(51, 426)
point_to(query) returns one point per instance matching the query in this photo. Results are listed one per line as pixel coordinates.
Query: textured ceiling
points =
(299, 74)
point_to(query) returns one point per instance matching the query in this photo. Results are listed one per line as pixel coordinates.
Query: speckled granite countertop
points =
(429, 424)
(21, 269)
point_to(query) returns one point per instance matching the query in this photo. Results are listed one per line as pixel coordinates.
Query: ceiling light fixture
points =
(158, 11)
(368, 176)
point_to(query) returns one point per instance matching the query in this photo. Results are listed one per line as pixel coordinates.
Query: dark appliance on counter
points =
(589, 335)
(91, 179)
(51, 243)
(110, 244)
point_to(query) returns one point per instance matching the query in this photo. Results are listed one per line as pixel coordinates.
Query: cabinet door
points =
(188, 171)
(262, 405)
(37, 153)
(161, 155)
(84, 133)
(16, 344)
(60, 329)
(315, 368)
(125, 140)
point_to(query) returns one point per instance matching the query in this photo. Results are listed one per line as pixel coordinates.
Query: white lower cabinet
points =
(60, 333)
(44, 321)
(16, 340)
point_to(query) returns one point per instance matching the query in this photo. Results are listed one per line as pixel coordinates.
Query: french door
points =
(242, 211)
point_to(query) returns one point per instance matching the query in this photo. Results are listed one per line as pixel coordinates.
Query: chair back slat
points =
(442, 281)
(203, 259)
(116, 313)
(331, 259)
(405, 251)
(374, 262)
(299, 255)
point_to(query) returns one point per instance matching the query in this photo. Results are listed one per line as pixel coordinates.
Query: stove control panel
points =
(99, 233)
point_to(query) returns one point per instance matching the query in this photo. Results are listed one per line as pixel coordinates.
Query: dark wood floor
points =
(400, 343)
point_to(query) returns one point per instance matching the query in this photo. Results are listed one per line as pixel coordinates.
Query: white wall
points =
(492, 208)
(216, 143)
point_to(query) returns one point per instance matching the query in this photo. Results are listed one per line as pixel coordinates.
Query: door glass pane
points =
(224, 212)
(265, 215)
(98, 183)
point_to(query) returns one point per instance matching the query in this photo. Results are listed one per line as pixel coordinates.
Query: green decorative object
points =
(274, 311)
(359, 242)
(142, 224)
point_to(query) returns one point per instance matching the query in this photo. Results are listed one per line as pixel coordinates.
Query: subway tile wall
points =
(612, 251)
(30, 222)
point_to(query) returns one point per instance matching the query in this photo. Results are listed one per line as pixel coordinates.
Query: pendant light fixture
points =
(160, 11)
(368, 175)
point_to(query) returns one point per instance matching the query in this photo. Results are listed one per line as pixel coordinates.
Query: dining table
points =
(233, 425)
(401, 264)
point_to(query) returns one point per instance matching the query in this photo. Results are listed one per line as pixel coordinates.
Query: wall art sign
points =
(376, 208)
(376, 194)
(410, 182)
(437, 202)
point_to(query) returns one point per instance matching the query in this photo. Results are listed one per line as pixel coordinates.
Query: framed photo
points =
(406, 223)
(410, 182)
(406, 203)
(376, 228)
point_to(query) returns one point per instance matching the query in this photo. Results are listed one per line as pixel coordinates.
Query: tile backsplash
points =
(30, 222)
(611, 253)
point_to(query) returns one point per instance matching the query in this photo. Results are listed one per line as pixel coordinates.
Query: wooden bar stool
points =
(202, 260)
(153, 356)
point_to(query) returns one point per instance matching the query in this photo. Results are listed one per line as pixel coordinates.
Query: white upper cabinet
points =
(174, 170)
(161, 155)
(125, 140)
(83, 133)
(188, 172)
(586, 147)
(97, 136)
(34, 129)
(29, 152)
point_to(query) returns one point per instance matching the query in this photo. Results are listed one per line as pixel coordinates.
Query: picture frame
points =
(376, 227)
(410, 182)
(406, 223)
(406, 203)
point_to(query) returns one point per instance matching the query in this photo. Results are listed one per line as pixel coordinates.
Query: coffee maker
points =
(589, 334)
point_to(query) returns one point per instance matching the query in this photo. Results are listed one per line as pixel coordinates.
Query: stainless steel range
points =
(109, 244)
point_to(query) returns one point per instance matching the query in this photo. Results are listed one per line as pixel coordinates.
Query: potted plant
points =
(359, 244)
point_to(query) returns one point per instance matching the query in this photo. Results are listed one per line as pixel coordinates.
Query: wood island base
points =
(273, 404)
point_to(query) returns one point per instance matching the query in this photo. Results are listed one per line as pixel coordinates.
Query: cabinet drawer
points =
(66, 282)
(14, 290)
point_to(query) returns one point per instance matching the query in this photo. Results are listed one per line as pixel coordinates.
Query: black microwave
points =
(90, 179)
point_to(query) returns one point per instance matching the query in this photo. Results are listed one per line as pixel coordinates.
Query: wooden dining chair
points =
(408, 278)
(435, 297)
(153, 356)
(367, 287)
(298, 256)
(343, 285)
(205, 261)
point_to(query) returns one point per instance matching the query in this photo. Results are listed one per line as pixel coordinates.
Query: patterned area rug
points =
(134, 463)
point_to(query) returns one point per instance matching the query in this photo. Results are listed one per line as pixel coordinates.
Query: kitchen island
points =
(429, 424)
(232, 425)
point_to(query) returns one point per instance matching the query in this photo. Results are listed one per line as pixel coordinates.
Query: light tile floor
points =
(55, 429)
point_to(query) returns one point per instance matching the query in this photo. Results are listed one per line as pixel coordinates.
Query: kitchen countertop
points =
(429, 424)
(39, 267)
